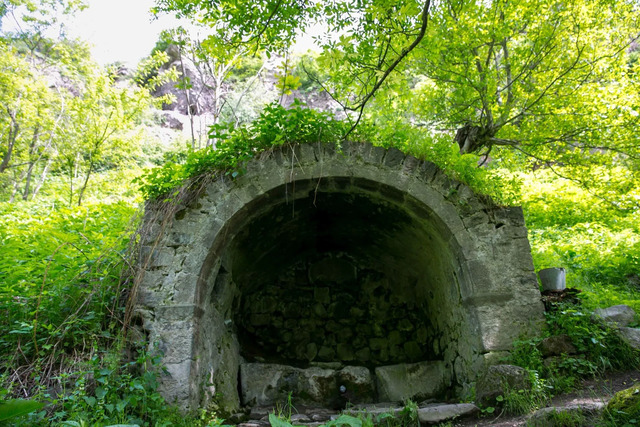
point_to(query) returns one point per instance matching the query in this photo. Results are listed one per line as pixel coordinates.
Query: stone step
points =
(431, 413)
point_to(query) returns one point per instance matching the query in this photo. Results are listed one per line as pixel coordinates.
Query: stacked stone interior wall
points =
(331, 310)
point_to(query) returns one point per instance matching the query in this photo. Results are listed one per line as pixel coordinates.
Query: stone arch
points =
(307, 224)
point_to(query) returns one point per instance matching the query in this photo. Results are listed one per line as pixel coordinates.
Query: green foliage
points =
(624, 408)
(115, 393)
(245, 68)
(63, 115)
(523, 401)
(14, 408)
(245, 23)
(599, 349)
(526, 354)
(502, 185)
(276, 126)
(597, 242)
(60, 275)
(309, 73)
(560, 418)
(553, 83)
(602, 347)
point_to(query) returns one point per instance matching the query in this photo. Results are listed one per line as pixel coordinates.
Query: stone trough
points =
(356, 275)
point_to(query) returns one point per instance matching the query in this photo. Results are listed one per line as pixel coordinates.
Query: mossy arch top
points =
(359, 256)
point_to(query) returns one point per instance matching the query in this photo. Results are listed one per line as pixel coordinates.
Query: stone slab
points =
(442, 412)
(412, 380)
(493, 382)
(545, 416)
(269, 384)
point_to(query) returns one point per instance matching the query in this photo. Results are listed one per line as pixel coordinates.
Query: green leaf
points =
(348, 420)
(275, 421)
(101, 392)
(17, 407)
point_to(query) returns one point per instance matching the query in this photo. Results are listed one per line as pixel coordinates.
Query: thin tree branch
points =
(423, 28)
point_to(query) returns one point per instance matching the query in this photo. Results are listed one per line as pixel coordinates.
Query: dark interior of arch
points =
(349, 271)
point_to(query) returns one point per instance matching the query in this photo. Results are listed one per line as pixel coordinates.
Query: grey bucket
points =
(553, 279)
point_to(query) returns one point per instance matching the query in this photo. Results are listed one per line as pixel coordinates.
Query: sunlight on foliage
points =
(598, 243)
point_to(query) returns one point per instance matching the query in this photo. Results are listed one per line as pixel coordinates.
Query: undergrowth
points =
(599, 349)
(235, 145)
(65, 278)
(277, 126)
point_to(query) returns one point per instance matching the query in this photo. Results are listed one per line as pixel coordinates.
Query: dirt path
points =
(598, 390)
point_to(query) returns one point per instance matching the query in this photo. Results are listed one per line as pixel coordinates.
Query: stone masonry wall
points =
(329, 311)
(480, 283)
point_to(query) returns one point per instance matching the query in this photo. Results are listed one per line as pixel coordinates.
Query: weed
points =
(558, 418)
(601, 346)
(275, 126)
(523, 401)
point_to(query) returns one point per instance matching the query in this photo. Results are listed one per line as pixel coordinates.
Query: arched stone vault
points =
(255, 263)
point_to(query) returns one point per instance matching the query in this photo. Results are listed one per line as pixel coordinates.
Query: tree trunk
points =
(72, 167)
(13, 135)
(43, 176)
(32, 162)
(86, 179)
(187, 94)
(16, 182)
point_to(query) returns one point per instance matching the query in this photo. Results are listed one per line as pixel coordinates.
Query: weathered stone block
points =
(267, 384)
(174, 384)
(415, 381)
(556, 346)
(631, 336)
(620, 315)
(375, 155)
(438, 413)
(393, 158)
(495, 381)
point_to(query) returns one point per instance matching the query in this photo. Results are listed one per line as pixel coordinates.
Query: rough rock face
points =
(556, 345)
(497, 380)
(620, 315)
(172, 120)
(631, 336)
(369, 235)
(549, 416)
(353, 314)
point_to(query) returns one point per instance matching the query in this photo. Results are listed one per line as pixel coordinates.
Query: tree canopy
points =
(555, 81)
(60, 113)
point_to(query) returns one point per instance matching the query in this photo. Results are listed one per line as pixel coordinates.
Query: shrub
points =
(275, 126)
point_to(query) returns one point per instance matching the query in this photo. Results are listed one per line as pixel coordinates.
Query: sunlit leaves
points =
(276, 126)
(52, 262)
(267, 24)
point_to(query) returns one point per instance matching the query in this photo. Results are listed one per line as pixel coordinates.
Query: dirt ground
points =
(590, 392)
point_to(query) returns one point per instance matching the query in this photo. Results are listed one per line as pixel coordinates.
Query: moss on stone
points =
(625, 404)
